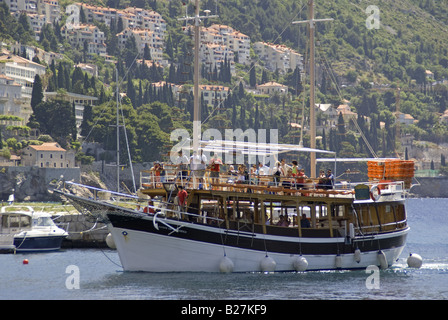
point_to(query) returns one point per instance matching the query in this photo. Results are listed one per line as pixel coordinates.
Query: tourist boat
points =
(232, 227)
(227, 226)
(24, 230)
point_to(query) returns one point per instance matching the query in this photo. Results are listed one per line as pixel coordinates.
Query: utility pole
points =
(311, 22)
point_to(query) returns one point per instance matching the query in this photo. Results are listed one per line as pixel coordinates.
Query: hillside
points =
(356, 64)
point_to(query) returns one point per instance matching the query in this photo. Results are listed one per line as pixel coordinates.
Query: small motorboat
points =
(29, 231)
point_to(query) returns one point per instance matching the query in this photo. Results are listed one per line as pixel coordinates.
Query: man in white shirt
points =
(182, 165)
(197, 166)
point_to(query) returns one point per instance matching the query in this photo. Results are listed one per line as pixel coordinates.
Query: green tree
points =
(37, 94)
(56, 118)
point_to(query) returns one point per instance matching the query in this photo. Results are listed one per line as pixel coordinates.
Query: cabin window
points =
(388, 209)
(338, 211)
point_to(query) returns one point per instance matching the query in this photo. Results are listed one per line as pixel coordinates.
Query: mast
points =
(196, 93)
(311, 22)
(118, 135)
(196, 97)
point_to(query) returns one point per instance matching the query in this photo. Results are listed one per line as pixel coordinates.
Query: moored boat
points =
(24, 230)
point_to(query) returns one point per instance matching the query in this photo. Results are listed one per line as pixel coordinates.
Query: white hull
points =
(143, 251)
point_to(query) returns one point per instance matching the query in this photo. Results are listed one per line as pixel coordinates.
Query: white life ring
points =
(375, 193)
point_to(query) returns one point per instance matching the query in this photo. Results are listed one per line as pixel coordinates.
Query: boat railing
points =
(161, 208)
(382, 227)
(271, 184)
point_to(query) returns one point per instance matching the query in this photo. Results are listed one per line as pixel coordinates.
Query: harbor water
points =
(96, 274)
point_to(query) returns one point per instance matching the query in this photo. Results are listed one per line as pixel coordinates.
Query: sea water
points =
(96, 274)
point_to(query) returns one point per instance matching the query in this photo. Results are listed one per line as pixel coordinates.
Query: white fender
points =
(358, 256)
(268, 264)
(110, 241)
(300, 263)
(338, 261)
(351, 230)
(414, 260)
(382, 260)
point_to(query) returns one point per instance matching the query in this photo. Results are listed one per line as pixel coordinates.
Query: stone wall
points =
(430, 187)
(32, 183)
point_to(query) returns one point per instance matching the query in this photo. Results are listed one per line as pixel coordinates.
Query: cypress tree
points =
(37, 94)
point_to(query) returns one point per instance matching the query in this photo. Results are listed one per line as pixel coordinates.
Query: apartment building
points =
(21, 70)
(11, 102)
(214, 54)
(236, 41)
(142, 37)
(38, 12)
(79, 34)
(147, 26)
(278, 57)
(145, 19)
(214, 95)
(220, 40)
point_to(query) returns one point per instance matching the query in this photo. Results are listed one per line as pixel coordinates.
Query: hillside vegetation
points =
(362, 65)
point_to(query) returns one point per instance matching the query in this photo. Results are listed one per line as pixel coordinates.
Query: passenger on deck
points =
(301, 178)
(304, 222)
(182, 165)
(182, 198)
(277, 173)
(322, 184)
(149, 209)
(330, 181)
(215, 165)
(197, 166)
(284, 168)
(253, 174)
(283, 222)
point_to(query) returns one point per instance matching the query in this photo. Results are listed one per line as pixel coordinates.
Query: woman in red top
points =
(215, 164)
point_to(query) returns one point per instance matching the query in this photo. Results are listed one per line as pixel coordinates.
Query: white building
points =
(142, 37)
(11, 101)
(214, 95)
(272, 87)
(213, 54)
(79, 34)
(278, 57)
(21, 70)
(219, 40)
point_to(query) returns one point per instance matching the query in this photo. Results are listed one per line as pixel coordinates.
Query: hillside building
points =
(48, 155)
